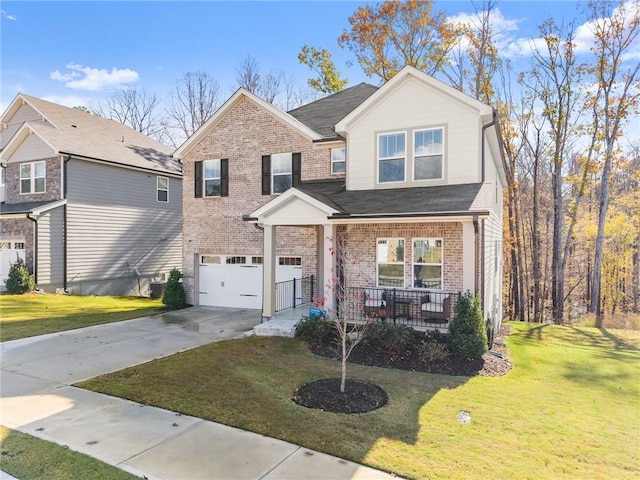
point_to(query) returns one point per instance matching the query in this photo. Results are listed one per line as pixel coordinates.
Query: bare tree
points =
(193, 100)
(248, 75)
(137, 109)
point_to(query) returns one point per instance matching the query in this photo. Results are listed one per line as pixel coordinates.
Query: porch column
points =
(468, 257)
(326, 265)
(269, 272)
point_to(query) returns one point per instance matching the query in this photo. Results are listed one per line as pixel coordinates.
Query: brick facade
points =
(215, 225)
(19, 228)
(361, 241)
(53, 180)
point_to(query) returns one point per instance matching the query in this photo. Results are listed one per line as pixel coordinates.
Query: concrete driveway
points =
(38, 399)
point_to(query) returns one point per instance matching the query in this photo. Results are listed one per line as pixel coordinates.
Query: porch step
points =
(279, 327)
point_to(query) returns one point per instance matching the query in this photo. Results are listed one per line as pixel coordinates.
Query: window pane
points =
(338, 167)
(163, 195)
(428, 142)
(428, 168)
(391, 170)
(281, 163)
(391, 275)
(163, 183)
(390, 250)
(212, 169)
(427, 276)
(25, 170)
(39, 185)
(391, 146)
(39, 169)
(25, 186)
(281, 183)
(212, 188)
(338, 154)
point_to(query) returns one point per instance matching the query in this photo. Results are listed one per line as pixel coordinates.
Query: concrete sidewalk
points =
(38, 399)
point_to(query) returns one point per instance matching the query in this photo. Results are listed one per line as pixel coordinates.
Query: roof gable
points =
(228, 106)
(81, 134)
(406, 74)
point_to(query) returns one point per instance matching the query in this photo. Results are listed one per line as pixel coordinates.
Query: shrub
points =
(432, 351)
(314, 330)
(19, 279)
(468, 334)
(387, 339)
(174, 295)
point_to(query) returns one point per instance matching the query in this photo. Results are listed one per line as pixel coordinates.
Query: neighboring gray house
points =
(92, 206)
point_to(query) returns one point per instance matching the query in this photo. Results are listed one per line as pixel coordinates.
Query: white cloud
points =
(8, 16)
(95, 79)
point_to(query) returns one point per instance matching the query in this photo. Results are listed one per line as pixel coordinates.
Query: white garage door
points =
(236, 280)
(9, 253)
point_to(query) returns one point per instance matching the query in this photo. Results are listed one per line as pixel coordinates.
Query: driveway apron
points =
(37, 398)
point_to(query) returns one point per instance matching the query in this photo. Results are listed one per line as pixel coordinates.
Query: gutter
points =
(123, 165)
(339, 216)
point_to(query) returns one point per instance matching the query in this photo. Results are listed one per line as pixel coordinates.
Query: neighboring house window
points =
(390, 260)
(280, 172)
(162, 189)
(428, 154)
(212, 178)
(427, 263)
(391, 157)
(32, 177)
(338, 160)
(3, 176)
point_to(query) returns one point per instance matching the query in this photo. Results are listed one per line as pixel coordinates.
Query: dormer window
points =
(32, 177)
(427, 154)
(391, 157)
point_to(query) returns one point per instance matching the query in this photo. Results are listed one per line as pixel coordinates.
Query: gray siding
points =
(117, 232)
(51, 250)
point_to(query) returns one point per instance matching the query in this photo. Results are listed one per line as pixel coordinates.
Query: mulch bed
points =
(361, 397)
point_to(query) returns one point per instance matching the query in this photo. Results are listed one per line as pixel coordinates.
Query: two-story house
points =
(405, 179)
(92, 206)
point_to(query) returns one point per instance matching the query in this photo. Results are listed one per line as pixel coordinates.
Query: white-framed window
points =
(281, 172)
(162, 189)
(390, 262)
(211, 178)
(33, 177)
(427, 263)
(391, 157)
(338, 160)
(428, 154)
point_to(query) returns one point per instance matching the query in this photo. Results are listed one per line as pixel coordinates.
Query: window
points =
(391, 157)
(427, 263)
(427, 154)
(390, 262)
(294, 261)
(162, 188)
(32, 177)
(236, 260)
(338, 160)
(212, 178)
(280, 172)
(19, 245)
(210, 259)
(256, 260)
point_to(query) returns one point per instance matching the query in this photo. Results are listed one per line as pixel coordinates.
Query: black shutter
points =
(266, 175)
(296, 169)
(224, 177)
(198, 179)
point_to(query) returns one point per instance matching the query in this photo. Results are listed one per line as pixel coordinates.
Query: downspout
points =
(64, 225)
(476, 273)
(484, 127)
(35, 246)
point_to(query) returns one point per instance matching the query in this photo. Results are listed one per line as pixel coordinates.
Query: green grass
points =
(32, 314)
(26, 457)
(568, 409)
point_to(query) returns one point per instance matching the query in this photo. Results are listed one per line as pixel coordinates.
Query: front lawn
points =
(568, 409)
(34, 314)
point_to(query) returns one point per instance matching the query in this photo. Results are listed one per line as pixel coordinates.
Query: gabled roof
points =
(323, 114)
(407, 72)
(77, 133)
(232, 102)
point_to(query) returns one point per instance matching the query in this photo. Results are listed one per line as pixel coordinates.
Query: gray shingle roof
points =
(417, 201)
(79, 133)
(322, 115)
(21, 208)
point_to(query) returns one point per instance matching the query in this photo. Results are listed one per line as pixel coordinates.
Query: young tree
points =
(393, 34)
(328, 79)
(615, 29)
(193, 100)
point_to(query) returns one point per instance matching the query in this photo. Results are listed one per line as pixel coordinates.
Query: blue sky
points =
(73, 52)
